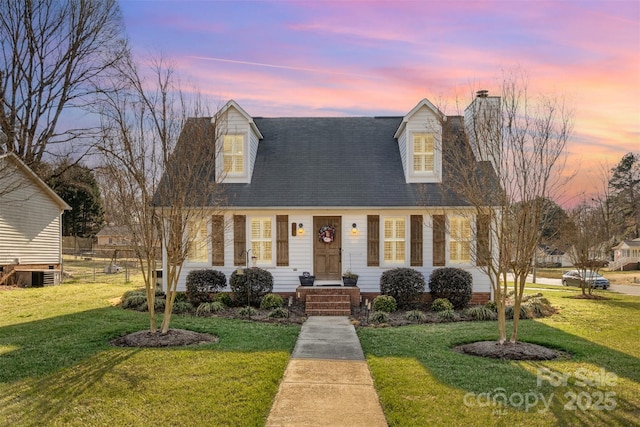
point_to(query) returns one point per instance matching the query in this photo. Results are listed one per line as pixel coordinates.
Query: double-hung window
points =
(423, 153)
(459, 240)
(394, 241)
(197, 249)
(262, 240)
(233, 154)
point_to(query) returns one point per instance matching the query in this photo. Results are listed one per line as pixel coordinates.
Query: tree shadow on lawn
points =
(485, 380)
(55, 365)
(40, 347)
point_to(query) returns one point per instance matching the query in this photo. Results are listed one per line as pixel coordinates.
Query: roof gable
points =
(425, 103)
(233, 104)
(30, 174)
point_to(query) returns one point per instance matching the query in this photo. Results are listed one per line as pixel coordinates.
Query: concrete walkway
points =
(327, 381)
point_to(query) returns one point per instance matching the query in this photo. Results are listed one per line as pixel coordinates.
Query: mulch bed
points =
(174, 337)
(510, 351)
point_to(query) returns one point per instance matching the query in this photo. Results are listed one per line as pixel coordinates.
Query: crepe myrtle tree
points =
(517, 144)
(158, 168)
(586, 233)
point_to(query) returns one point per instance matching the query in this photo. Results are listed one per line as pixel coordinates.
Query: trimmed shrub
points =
(201, 284)
(379, 317)
(279, 313)
(385, 303)
(441, 304)
(251, 286)
(446, 315)
(481, 312)
(159, 304)
(416, 316)
(223, 297)
(454, 284)
(271, 301)
(406, 285)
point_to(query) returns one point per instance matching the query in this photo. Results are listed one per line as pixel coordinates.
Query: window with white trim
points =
(262, 240)
(233, 154)
(198, 248)
(394, 240)
(423, 152)
(459, 240)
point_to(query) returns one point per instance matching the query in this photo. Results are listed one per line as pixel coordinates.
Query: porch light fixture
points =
(300, 229)
(354, 228)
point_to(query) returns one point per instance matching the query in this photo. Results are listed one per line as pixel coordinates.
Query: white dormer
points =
(420, 142)
(237, 144)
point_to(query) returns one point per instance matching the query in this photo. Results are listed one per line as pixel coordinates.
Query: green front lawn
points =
(421, 381)
(57, 367)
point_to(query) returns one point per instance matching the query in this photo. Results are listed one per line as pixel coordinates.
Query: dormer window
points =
(423, 153)
(233, 154)
(420, 143)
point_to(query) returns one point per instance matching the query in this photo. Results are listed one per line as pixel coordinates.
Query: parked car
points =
(575, 278)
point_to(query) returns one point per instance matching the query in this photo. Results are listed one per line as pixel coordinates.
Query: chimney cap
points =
(483, 93)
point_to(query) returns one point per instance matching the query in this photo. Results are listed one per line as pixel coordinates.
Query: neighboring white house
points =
(329, 194)
(626, 255)
(30, 226)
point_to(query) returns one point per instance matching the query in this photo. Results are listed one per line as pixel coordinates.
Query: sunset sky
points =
(362, 58)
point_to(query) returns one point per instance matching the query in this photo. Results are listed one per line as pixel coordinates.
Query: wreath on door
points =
(327, 234)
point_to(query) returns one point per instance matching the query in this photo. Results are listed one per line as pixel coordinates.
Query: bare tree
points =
(159, 155)
(53, 54)
(519, 146)
(587, 233)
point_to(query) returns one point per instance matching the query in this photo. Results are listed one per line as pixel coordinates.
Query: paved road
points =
(622, 289)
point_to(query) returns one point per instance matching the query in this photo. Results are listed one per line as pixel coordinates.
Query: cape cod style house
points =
(30, 226)
(326, 195)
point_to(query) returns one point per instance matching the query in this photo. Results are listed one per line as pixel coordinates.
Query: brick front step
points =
(327, 305)
(327, 312)
(342, 305)
(328, 298)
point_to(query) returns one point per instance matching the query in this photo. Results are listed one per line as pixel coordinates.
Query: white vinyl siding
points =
(233, 154)
(459, 240)
(198, 249)
(30, 220)
(394, 241)
(262, 240)
(423, 153)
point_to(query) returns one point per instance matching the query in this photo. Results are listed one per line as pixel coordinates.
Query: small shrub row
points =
(271, 301)
(250, 286)
(405, 285)
(454, 284)
(385, 303)
(441, 304)
(202, 284)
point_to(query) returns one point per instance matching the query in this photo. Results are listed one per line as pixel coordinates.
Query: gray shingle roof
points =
(332, 162)
(329, 162)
